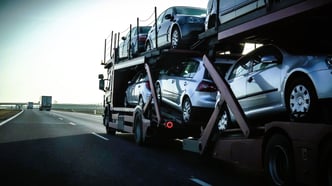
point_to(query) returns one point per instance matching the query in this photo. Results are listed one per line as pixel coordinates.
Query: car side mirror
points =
(168, 16)
(269, 59)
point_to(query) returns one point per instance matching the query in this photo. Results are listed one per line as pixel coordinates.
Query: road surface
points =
(63, 148)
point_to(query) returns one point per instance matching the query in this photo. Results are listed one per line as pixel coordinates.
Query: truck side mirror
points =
(102, 84)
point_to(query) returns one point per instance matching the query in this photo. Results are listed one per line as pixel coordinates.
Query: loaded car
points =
(188, 88)
(176, 27)
(134, 42)
(138, 90)
(273, 83)
(229, 9)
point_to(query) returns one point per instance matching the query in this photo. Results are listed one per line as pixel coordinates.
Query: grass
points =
(5, 113)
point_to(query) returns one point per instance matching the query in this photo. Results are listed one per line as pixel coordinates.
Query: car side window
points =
(241, 68)
(160, 18)
(190, 69)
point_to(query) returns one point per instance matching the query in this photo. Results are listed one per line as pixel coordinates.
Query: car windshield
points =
(190, 11)
(144, 29)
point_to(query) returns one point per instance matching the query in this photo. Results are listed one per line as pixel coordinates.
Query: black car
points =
(177, 27)
(137, 40)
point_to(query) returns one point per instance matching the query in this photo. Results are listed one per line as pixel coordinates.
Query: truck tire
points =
(138, 128)
(325, 164)
(278, 161)
(106, 120)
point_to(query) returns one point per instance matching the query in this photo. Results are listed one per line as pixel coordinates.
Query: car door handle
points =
(250, 79)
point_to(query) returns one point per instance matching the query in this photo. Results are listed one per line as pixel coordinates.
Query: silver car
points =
(187, 87)
(138, 90)
(270, 81)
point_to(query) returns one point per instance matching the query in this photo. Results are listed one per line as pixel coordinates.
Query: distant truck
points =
(30, 105)
(45, 103)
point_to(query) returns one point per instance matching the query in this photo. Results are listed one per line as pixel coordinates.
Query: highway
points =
(65, 148)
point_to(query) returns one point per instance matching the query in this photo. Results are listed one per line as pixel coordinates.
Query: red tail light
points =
(147, 85)
(205, 86)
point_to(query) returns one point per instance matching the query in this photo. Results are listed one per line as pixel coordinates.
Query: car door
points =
(164, 27)
(263, 81)
(170, 83)
(237, 79)
(132, 92)
(184, 83)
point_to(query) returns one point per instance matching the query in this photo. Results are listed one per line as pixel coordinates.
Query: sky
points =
(55, 47)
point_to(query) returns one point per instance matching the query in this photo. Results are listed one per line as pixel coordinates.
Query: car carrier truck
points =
(290, 153)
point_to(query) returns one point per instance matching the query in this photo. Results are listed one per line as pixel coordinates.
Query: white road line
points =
(7, 120)
(200, 182)
(71, 123)
(99, 136)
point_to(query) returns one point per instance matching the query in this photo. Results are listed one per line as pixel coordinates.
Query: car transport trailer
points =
(288, 152)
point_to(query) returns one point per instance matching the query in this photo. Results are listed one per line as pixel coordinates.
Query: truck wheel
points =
(325, 165)
(138, 128)
(278, 161)
(109, 130)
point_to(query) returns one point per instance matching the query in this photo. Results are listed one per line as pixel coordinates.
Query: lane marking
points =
(9, 119)
(200, 182)
(102, 137)
(71, 123)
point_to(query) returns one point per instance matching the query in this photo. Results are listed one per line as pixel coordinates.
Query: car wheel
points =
(300, 98)
(278, 161)
(186, 110)
(175, 38)
(225, 120)
(158, 92)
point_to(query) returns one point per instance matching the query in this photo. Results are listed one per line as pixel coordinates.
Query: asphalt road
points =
(62, 148)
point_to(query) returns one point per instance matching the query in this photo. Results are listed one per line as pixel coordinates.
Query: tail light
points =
(147, 85)
(142, 38)
(205, 86)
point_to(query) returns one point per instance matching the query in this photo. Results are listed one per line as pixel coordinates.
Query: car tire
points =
(278, 161)
(300, 99)
(175, 38)
(225, 119)
(186, 110)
